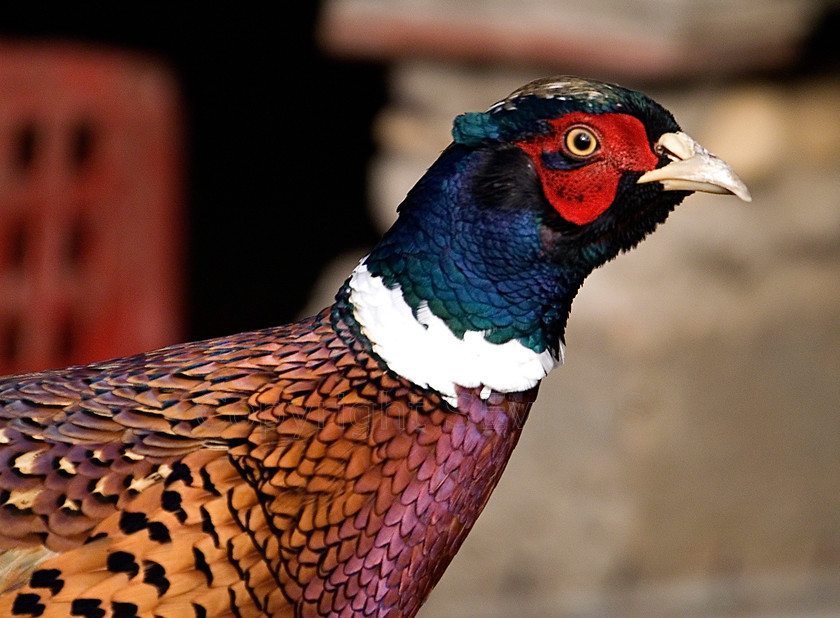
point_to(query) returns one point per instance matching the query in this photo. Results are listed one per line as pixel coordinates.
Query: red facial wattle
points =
(581, 194)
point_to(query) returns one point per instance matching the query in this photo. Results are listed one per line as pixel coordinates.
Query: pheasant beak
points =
(693, 168)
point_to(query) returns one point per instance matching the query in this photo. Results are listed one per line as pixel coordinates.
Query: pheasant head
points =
(473, 284)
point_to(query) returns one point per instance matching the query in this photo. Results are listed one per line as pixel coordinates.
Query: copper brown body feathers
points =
(280, 472)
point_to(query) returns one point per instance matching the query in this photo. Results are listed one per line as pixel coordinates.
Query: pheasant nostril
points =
(677, 146)
(663, 151)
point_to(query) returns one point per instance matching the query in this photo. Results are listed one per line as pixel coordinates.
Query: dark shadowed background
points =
(277, 139)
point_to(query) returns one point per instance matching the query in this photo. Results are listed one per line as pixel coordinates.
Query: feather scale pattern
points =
(281, 472)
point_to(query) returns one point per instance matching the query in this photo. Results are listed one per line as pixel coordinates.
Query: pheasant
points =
(334, 466)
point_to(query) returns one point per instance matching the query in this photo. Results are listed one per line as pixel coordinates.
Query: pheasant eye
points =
(580, 142)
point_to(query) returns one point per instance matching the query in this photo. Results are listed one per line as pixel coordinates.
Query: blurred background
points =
(175, 173)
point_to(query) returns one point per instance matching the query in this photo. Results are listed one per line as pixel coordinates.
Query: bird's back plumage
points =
(238, 475)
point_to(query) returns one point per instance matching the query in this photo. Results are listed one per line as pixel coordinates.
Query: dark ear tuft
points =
(507, 179)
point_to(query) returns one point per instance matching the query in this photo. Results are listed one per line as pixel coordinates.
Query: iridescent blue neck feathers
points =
(472, 262)
(466, 273)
